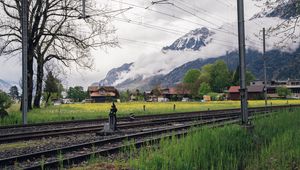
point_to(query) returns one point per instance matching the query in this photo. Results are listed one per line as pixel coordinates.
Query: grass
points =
(273, 144)
(96, 110)
(17, 145)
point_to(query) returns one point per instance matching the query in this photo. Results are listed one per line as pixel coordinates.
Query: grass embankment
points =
(96, 110)
(274, 144)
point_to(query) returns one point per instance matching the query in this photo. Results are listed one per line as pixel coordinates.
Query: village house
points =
(101, 94)
(167, 94)
(255, 92)
(293, 85)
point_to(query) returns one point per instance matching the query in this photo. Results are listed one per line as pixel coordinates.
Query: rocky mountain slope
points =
(193, 40)
(281, 64)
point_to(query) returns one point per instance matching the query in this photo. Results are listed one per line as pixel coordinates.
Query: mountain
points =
(193, 40)
(6, 85)
(284, 11)
(281, 65)
(115, 74)
(201, 43)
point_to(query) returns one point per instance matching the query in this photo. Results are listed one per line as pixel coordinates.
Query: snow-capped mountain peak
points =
(193, 40)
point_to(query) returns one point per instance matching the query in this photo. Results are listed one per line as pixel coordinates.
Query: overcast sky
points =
(137, 41)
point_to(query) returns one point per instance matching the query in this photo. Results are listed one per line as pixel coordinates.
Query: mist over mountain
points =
(6, 85)
(283, 11)
(114, 74)
(202, 46)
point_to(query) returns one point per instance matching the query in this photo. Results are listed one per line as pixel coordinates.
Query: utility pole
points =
(265, 69)
(241, 36)
(83, 9)
(24, 59)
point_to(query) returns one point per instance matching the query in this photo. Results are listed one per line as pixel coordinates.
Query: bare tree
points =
(289, 11)
(55, 33)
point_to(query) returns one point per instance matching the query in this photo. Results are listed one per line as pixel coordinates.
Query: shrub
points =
(5, 103)
(283, 92)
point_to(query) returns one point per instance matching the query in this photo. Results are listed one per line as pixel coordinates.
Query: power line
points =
(183, 19)
(172, 16)
(166, 30)
(203, 11)
(141, 42)
(207, 21)
(229, 4)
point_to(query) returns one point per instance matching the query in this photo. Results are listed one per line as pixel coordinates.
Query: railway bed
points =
(75, 123)
(8, 138)
(139, 121)
(77, 153)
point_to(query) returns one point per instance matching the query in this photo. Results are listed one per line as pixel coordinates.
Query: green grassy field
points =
(97, 110)
(273, 144)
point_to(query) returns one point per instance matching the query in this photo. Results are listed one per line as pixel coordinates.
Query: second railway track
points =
(73, 154)
(8, 138)
(147, 120)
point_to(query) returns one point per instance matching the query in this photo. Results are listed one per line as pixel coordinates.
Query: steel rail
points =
(67, 131)
(8, 138)
(10, 161)
(125, 118)
(169, 133)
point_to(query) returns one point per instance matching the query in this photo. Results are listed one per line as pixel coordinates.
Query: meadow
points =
(273, 144)
(81, 111)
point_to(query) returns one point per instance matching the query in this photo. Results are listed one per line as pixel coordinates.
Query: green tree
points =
(124, 96)
(13, 92)
(52, 86)
(76, 93)
(204, 89)
(236, 77)
(205, 75)
(191, 76)
(5, 103)
(191, 79)
(283, 92)
(220, 76)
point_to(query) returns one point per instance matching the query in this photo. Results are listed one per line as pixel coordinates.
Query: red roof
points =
(234, 89)
(251, 89)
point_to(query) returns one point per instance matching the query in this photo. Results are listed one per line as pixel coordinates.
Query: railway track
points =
(8, 138)
(66, 156)
(147, 120)
(141, 117)
(77, 153)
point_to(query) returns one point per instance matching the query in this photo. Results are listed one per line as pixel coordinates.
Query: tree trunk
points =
(48, 97)
(39, 83)
(29, 81)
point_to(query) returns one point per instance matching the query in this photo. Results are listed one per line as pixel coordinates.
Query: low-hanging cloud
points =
(222, 41)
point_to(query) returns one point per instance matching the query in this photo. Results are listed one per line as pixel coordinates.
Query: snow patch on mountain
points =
(200, 44)
(193, 40)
